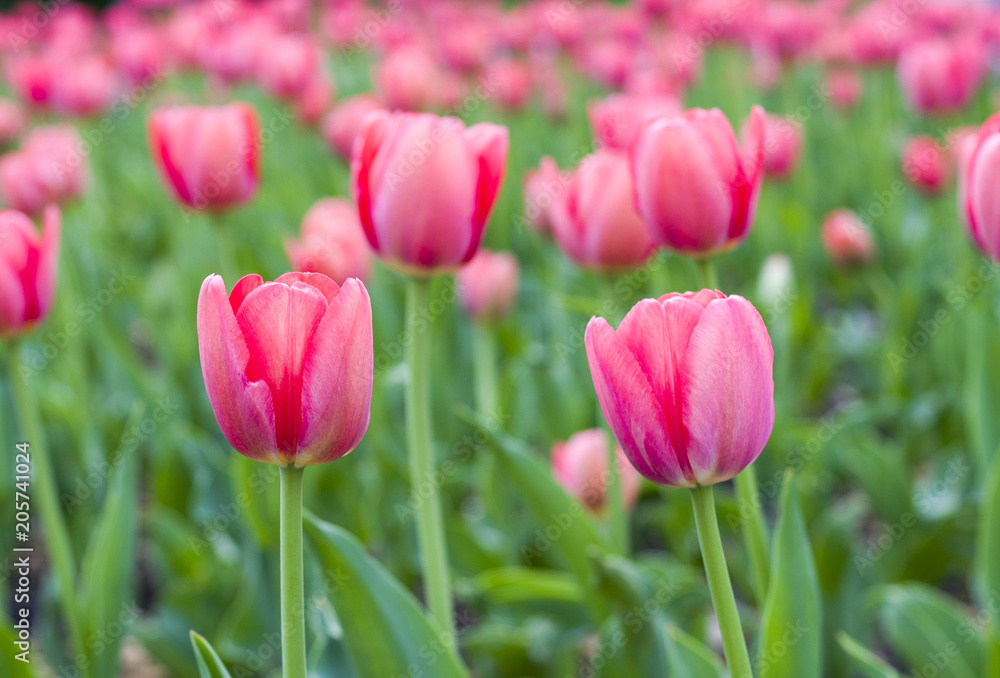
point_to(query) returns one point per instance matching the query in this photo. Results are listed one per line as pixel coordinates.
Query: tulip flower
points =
(694, 187)
(847, 241)
(581, 466)
(207, 155)
(84, 86)
(939, 75)
(340, 127)
(425, 186)
(542, 188)
(332, 242)
(618, 120)
(48, 168)
(685, 384)
(513, 83)
(782, 145)
(594, 220)
(845, 88)
(291, 65)
(288, 365)
(12, 121)
(28, 267)
(487, 285)
(925, 164)
(980, 172)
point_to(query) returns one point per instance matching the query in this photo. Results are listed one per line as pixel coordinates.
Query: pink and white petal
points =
(48, 259)
(631, 409)
(337, 379)
(728, 390)
(242, 288)
(327, 287)
(244, 410)
(489, 145)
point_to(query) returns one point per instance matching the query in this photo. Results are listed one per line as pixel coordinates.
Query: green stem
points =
(46, 491)
(755, 535)
(721, 588)
(225, 255)
(293, 627)
(430, 525)
(617, 516)
(707, 275)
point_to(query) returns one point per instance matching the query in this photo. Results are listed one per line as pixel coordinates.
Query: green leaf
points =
(385, 630)
(988, 538)
(687, 656)
(927, 628)
(209, 664)
(520, 584)
(791, 637)
(107, 596)
(870, 664)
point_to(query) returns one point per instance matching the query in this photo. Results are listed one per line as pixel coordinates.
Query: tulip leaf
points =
(385, 630)
(791, 636)
(688, 656)
(866, 661)
(507, 585)
(927, 628)
(209, 664)
(10, 666)
(107, 598)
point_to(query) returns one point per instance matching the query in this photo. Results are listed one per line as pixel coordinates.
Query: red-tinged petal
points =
(48, 260)
(244, 410)
(278, 322)
(728, 390)
(366, 146)
(630, 407)
(242, 288)
(165, 134)
(984, 195)
(337, 379)
(11, 298)
(750, 178)
(327, 287)
(489, 145)
(717, 132)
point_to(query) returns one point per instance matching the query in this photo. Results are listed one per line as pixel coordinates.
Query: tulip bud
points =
(925, 164)
(845, 88)
(581, 466)
(487, 285)
(980, 172)
(49, 168)
(594, 220)
(941, 75)
(782, 145)
(686, 385)
(694, 187)
(341, 125)
(332, 242)
(618, 119)
(425, 186)
(848, 242)
(28, 267)
(542, 188)
(207, 155)
(288, 365)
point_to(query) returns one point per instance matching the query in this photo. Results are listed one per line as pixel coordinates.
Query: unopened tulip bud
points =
(332, 242)
(487, 285)
(848, 242)
(581, 466)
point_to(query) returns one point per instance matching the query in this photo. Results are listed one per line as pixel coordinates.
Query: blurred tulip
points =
(332, 242)
(30, 77)
(12, 121)
(487, 285)
(979, 200)
(425, 186)
(686, 385)
(847, 241)
(594, 220)
(542, 188)
(581, 466)
(695, 188)
(207, 155)
(84, 86)
(50, 167)
(510, 83)
(939, 76)
(618, 119)
(288, 365)
(29, 263)
(313, 101)
(782, 145)
(291, 65)
(845, 88)
(341, 125)
(409, 79)
(926, 164)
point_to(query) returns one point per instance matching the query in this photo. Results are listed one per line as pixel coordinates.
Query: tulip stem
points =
(293, 630)
(430, 525)
(719, 584)
(617, 516)
(225, 255)
(46, 492)
(707, 275)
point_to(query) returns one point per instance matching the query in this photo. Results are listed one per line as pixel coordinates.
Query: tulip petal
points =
(48, 261)
(278, 322)
(489, 145)
(748, 182)
(630, 407)
(337, 380)
(244, 410)
(983, 197)
(242, 288)
(728, 390)
(367, 144)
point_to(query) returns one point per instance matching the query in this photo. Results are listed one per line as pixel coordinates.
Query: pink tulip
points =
(782, 145)
(425, 186)
(50, 167)
(940, 76)
(291, 65)
(332, 243)
(925, 164)
(847, 241)
(686, 385)
(12, 121)
(409, 78)
(510, 83)
(340, 127)
(28, 267)
(542, 188)
(695, 188)
(487, 285)
(845, 88)
(84, 86)
(581, 466)
(313, 101)
(978, 195)
(207, 155)
(288, 365)
(594, 220)
(618, 119)
(30, 77)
